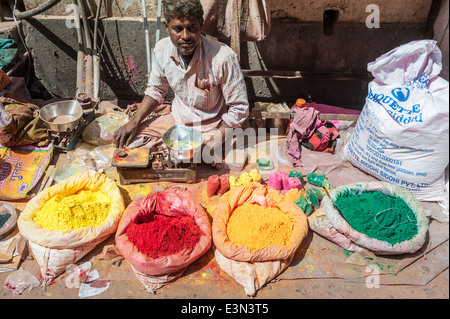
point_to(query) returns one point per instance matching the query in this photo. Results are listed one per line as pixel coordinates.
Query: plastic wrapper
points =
(101, 130)
(213, 185)
(224, 184)
(84, 159)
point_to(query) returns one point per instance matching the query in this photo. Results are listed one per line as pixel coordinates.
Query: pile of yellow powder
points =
(256, 227)
(82, 209)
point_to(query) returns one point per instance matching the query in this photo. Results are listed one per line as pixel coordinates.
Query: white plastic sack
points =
(402, 133)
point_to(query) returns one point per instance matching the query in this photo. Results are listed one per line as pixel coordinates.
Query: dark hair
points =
(183, 9)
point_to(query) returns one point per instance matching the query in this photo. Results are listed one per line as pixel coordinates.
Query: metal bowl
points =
(61, 116)
(183, 141)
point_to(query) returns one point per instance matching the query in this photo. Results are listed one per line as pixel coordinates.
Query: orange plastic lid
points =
(300, 102)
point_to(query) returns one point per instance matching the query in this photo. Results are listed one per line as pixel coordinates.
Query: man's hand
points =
(125, 134)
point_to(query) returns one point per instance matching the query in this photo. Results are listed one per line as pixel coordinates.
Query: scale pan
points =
(62, 116)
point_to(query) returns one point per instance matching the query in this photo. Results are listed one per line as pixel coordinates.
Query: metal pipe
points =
(80, 52)
(158, 22)
(147, 40)
(35, 11)
(158, 27)
(96, 54)
(88, 51)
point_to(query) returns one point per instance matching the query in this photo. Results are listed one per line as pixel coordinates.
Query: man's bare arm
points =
(125, 133)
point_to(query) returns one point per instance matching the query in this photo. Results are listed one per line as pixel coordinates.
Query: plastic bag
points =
(55, 250)
(175, 202)
(329, 223)
(21, 168)
(252, 268)
(406, 108)
(84, 159)
(20, 281)
(101, 130)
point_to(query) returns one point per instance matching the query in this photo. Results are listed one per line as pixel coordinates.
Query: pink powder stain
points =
(99, 284)
(131, 68)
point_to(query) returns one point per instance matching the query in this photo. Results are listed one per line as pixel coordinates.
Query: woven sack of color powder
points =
(253, 268)
(339, 231)
(155, 273)
(55, 250)
(401, 135)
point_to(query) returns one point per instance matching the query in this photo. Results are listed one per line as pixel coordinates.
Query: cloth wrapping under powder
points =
(329, 223)
(153, 283)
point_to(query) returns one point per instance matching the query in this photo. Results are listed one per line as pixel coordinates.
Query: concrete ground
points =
(205, 280)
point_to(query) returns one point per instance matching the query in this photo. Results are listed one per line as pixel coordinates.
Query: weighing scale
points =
(139, 165)
(65, 141)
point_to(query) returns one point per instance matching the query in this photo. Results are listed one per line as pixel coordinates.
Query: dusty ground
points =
(205, 280)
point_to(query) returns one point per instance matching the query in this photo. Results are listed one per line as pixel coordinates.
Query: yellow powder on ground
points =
(82, 209)
(256, 227)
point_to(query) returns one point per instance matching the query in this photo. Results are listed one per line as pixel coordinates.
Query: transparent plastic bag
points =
(101, 130)
(84, 159)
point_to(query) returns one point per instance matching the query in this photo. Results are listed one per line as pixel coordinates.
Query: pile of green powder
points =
(378, 215)
(3, 219)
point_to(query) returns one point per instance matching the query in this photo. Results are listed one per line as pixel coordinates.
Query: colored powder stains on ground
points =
(3, 219)
(378, 215)
(256, 227)
(85, 208)
(157, 235)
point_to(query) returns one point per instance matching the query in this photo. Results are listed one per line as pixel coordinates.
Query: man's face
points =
(184, 33)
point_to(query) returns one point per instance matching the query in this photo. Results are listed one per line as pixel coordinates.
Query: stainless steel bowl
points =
(61, 116)
(183, 142)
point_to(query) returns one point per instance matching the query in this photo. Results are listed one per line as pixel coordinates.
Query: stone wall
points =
(296, 42)
(392, 11)
(441, 36)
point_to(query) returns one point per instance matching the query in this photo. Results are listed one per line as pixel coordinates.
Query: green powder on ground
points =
(378, 215)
